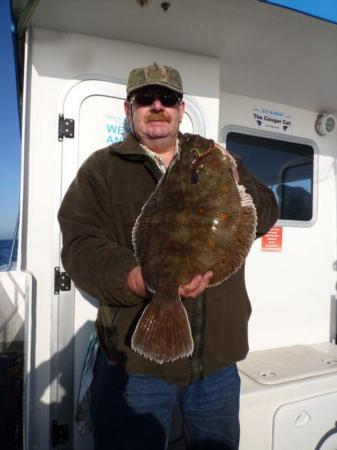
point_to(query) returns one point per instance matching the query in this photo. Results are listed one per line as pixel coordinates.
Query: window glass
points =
(286, 167)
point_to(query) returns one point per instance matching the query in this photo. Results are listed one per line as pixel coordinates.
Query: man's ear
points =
(181, 109)
(127, 108)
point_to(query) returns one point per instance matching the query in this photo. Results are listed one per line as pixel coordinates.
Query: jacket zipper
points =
(198, 322)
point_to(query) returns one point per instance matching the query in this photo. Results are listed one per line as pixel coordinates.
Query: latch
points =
(62, 281)
(66, 127)
(59, 434)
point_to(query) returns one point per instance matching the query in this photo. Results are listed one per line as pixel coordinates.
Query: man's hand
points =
(192, 289)
(136, 282)
(196, 286)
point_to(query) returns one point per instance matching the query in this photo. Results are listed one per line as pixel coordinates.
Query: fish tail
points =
(163, 332)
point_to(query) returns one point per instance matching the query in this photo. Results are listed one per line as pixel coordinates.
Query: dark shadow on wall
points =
(12, 299)
(62, 411)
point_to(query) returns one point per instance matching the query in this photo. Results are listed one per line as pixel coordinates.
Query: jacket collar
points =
(129, 146)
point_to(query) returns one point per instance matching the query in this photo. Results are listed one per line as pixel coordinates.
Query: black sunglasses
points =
(147, 98)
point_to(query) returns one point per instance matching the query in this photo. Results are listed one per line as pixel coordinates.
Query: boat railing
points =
(11, 263)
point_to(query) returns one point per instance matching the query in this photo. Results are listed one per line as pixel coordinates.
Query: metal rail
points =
(10, 265)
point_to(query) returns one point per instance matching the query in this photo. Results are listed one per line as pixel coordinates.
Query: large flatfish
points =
(197, 219)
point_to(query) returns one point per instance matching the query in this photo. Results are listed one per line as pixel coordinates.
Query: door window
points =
(286, 167)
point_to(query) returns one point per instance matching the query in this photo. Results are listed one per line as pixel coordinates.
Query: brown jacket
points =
(96, 218)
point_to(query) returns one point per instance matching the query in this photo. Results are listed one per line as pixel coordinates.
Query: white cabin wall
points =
(56, 62)
(291, 291)
(66, 56)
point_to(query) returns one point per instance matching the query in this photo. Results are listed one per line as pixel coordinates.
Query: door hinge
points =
(62, 281)
(66, 127)
(59, 434)
(334, 265)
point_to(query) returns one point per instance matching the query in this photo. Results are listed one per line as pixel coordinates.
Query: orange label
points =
(272, 241)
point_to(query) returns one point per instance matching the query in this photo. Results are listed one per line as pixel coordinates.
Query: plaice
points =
(197, 219)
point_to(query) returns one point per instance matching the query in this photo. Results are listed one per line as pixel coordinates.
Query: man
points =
(133, 397)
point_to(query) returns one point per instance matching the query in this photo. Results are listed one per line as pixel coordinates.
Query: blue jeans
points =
(133, 412)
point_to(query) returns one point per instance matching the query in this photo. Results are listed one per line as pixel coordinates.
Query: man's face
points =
(155, 113)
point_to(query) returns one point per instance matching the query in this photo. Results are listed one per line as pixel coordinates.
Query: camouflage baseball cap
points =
(154, 75)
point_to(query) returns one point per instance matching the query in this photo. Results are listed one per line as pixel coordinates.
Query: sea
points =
(5, 251)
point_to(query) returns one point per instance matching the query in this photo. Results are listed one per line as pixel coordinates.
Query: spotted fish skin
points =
(197, 219)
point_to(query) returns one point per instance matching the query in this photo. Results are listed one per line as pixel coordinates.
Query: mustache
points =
(159, 117)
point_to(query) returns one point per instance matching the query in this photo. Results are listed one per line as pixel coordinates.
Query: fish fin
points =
(245, 198)
(234, 255)
(145, 224)
(146, 248)
(163, 332)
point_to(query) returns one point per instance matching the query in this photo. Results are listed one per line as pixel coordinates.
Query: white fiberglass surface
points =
(306, 424)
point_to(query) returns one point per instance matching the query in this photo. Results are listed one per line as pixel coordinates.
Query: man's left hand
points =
(196, 286)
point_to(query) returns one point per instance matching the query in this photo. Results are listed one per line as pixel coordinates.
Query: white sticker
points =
(271, 120)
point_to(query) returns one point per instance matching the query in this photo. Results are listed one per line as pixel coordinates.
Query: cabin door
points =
(97, 109)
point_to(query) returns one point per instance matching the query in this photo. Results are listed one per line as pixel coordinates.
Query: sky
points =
(9, 128)
(324, 9)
